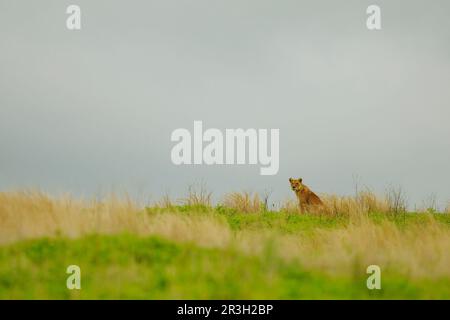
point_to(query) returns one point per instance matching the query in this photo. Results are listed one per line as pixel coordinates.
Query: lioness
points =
(306, 198)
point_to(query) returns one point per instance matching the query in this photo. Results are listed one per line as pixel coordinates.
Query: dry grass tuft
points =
(363, 203)
(165, 202)
(243, 202)
(429, 205)
(27, 215)
(198, 195)
(289, 206)
(419, 250)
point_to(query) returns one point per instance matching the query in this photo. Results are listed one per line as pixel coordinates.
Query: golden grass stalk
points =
(246, 202)
(354, 206)
(197, 196)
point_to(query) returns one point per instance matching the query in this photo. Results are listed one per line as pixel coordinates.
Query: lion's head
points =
(296, 184)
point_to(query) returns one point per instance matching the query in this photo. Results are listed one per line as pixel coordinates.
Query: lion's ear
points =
(290, 179)
(300, 180)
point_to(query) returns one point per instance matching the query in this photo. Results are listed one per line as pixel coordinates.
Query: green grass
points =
(129, 267)
(285, 223)
(295, 223)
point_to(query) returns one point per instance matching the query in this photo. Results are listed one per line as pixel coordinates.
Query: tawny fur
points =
(306, 198)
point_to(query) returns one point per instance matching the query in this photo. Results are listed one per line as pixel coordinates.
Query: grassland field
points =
(234, 250)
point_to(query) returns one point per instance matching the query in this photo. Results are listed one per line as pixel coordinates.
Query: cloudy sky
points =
(91, 111)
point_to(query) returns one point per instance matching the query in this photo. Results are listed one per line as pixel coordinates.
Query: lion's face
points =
(296, 184)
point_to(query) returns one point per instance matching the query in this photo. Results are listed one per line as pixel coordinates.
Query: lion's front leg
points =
(300, 206)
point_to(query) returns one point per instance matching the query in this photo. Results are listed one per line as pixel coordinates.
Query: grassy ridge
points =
(129, 267)
(293, 223)
(231, 251)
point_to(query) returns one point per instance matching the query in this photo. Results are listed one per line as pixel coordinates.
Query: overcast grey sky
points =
(92, 111)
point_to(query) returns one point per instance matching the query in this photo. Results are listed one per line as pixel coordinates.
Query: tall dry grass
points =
(364, 202)
(246, 202)
(289, 206)
(28, 215)
(418, 250)
(197, 195)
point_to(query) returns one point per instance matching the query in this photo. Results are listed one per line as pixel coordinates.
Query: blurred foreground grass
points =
(128, 267)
